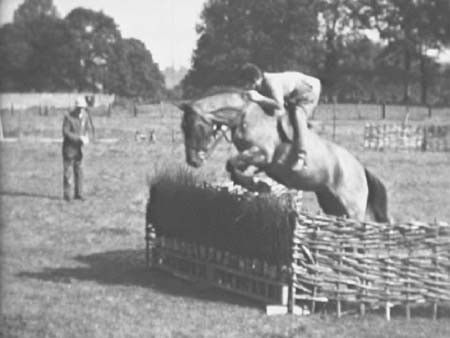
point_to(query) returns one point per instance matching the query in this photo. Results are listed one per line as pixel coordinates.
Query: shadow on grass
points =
(28, 194)
(128, 267)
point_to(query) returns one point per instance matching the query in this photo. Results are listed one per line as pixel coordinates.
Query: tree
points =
(30, 10)
(94, 36)
(410, 29)
(134, 74)
(338, 26)
(50, 67)
(275, 34)
(15, 52)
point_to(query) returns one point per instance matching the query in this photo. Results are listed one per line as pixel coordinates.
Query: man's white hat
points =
(80, 102)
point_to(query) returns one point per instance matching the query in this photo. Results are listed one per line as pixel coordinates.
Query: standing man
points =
(75, 134)
(272, 90)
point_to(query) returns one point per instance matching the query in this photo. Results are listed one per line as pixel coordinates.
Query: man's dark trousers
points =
(75, 165)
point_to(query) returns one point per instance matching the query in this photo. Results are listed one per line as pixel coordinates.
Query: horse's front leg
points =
(238, 164)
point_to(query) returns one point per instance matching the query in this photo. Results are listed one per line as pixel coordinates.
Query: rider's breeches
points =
(305, 107)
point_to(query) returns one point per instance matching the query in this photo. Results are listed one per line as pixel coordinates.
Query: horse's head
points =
(199, 133)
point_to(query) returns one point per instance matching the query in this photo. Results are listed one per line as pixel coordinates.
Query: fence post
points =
(387, 279)
(362, 304)
(408, 270)
(291, 283)
(315, 235)
(430, 111)
(358, 110)
(19, 130)
(334, 117)
(1, 125)
(435, 263)
(383, 110)
(338, 294)
(135, 110)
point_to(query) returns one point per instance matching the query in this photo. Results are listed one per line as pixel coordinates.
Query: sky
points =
(167, 27)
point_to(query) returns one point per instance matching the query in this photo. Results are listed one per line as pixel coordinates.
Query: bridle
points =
(219, 132)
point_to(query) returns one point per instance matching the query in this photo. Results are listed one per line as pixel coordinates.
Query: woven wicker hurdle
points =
(384, 136)
(356, 265)
(252, 277)
(372, 265)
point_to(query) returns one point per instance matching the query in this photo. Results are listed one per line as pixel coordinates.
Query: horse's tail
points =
(377, 199)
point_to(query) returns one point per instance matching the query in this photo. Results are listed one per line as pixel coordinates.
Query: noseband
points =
(218, 134)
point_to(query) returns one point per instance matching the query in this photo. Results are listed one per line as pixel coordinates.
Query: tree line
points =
(84, 51)
(330, 39)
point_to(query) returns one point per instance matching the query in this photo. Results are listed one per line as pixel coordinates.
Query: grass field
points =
(78, 270)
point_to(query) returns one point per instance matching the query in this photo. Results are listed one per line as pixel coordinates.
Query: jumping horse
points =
(343, 186)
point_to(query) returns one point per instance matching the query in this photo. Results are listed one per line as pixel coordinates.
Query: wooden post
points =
(151, 136)
(358, 110)
(383, 110)
(362, 304)
(387, 303)
(334, 117)
(338, 303)
(314, 291)
(135, 110)
(1, 125)
(291, 289)
(408, 285)
(19, 130)
(435, 263)
(430, 111)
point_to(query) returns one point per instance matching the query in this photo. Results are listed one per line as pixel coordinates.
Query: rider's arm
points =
(274, 103)
(266, 102)
(278, 98)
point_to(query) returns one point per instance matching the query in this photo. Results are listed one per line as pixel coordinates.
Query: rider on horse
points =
(273, 90)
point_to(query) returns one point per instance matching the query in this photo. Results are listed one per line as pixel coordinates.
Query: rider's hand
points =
(253, 95)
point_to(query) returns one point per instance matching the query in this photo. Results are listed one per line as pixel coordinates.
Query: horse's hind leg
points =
(237, 165)
(331, 204)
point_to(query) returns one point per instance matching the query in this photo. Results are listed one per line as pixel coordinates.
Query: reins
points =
(217, 139)
(220, 132)
(223, 132)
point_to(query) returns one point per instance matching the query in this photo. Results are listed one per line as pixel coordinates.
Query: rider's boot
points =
(299, 123)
